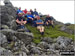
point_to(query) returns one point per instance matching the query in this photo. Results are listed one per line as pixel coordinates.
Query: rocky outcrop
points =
(24, 36)
(20, 43)
(66, 29)
(3, 39)
(7, 13)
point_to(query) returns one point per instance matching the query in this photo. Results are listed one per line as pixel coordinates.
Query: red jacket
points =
(25, 11)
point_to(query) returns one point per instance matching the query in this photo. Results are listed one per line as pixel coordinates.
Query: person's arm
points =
(24, 22)
(30, 18)
(18, 21)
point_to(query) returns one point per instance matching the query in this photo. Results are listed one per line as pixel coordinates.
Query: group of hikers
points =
(33, 18)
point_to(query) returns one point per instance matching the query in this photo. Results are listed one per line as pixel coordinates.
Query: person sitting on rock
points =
(34, 21)
(19, 10)
(35, 12)
(31, 11)
(30, 18)
(40, 26)
(25, 11)
(49, 21)
(20, 21)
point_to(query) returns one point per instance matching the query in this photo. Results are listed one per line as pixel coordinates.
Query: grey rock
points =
(67, 24)
(47, 39)
(64, 42)
(57, 22)
(4, 27)
(4, 52)
(3, 39)
(7, 15)
(13, 25)
(23, 48)
(43, 45)
(7, 3)
(35, 50)
(65, 29)
(26, 37)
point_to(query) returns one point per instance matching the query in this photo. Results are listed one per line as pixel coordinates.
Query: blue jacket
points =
(29, 16)
(19, 11)
(35, 13)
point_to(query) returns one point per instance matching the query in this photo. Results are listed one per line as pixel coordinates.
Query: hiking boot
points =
(42, 33)
(52, 26)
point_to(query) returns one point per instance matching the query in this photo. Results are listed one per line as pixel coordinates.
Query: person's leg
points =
(42, 30)
(38, 28)
(51, 23)
(21, 26)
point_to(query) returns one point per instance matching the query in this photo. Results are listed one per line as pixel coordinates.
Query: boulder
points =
(7, 14)
(7, 3)
(3, 39)
(35, 50)
(4, 27)
(5, 52)
(65, 29)
(68, 24)
(64, 42)
(26, 37)
(43, 45)
(47, 39)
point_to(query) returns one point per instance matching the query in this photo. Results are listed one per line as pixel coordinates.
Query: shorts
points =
(38, 27)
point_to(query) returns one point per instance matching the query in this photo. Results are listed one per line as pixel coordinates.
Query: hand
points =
(32, 18)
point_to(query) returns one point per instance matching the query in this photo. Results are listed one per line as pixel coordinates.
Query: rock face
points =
(7, 14)
(7, 3)
(3, 39)
(65, 29)
(24, 36)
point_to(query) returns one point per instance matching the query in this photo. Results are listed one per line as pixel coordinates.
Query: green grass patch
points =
(49, 32)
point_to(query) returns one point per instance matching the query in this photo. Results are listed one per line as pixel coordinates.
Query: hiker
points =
(19, 10)
(49, 21)
(40, 26)
(30, 18)
(20, 21)
(31, 11)
(25, 11)
(40, 14)
(34, 21)
(35, 12)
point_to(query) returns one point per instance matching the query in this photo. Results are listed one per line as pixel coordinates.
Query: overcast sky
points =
(62, 11)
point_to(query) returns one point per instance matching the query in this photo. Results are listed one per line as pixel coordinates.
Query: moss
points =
(49, 32)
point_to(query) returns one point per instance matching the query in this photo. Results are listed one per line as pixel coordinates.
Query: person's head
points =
(25, 9)
(38, 17)
(29, 13)
(30, 9)
(48, 15)
(35, 9)
(19, 8)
